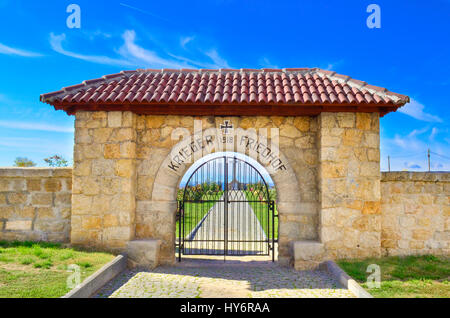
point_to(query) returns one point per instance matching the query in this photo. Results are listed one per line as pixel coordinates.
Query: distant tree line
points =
(53, 161)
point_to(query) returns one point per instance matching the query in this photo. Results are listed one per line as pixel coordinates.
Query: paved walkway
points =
(243, 225)
(223, 281)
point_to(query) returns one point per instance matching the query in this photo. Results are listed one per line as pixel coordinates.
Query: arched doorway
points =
(226, 206)
(158, 216)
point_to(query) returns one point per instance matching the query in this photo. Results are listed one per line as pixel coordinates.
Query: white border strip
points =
(343, 278)
(97, 280)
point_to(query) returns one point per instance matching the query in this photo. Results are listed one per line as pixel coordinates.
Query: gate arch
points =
(164, 203)
(226, 207)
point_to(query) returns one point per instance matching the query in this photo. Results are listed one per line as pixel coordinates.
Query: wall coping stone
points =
(415, 176)
(100, 278)
(13, 172)
(344, 279)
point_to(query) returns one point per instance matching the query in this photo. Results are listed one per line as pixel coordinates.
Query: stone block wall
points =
(35, 204)
(415, 211)
(104, 180)
(349, 184)
(157, 185)
(331, 192)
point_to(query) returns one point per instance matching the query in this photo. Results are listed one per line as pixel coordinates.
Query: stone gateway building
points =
(315, 132)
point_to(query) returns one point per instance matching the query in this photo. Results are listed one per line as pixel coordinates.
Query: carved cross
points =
(225, 127)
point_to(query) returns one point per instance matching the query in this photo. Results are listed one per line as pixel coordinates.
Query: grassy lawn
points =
(195, 211)
(405, 277)
(36, 270)
(260, 209)
(193, 214)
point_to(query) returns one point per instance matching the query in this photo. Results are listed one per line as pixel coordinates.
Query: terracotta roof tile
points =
(291, 86)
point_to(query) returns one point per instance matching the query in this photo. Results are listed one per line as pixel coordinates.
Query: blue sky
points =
(409, 54)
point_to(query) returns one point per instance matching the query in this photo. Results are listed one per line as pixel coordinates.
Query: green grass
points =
(39, 270)
(43, 264)
(404, 277)
(264, 219)
(260, 209)
(195, 211)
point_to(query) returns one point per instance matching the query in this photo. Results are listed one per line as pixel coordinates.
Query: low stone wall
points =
(415, 213)
(35, 204)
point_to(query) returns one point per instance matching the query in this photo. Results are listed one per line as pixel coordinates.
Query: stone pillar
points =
(104, 178)
(349, 184)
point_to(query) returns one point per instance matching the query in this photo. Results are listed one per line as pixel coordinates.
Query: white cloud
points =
(266, 63)
(131, 50)
(14, 51)
(433, 134)
(192, 63)
(56, 44)
(185, 40)
(410, 142)
(332, 66)
(35, 126)
(143, 11)
(417, 132)
(34, 148)
(92, 35)
(412, 165)
(218, 61)
(415, 110)
(19, 142)
(132, 54)
(410, 151)
(139, 55)
(407, 143)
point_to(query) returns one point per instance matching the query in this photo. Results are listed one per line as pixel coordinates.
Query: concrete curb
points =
(342, 277)
(97, 280)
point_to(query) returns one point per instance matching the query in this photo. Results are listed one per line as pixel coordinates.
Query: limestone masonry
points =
(35, 204)
(316, 132)
(333, 202)
(415, 213)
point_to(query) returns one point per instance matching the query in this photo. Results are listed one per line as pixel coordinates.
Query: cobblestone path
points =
(223, 282)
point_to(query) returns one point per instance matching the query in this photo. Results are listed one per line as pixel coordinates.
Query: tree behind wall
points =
(23, 162)
(56, 161)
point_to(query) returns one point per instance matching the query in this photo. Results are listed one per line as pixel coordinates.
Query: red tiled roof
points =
(226, 92)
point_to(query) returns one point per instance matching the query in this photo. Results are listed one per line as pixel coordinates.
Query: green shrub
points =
(66, 255)
(44, 264)
(26, 261)
(84, 264)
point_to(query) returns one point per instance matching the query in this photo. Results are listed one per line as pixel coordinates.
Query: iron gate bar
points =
(221, 217)
(225, 214)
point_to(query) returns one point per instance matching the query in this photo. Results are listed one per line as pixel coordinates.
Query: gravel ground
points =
(223, 282)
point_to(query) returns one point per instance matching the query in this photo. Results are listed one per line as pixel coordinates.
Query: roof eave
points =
(232, 109)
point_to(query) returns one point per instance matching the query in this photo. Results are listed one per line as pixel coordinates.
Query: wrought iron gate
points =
(226, 208)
